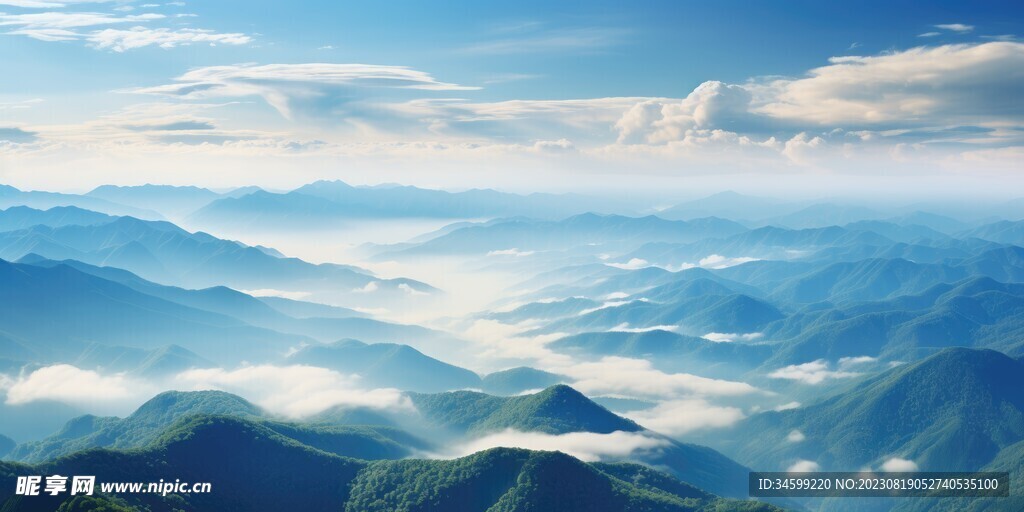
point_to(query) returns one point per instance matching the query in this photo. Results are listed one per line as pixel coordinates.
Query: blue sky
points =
(139, 91)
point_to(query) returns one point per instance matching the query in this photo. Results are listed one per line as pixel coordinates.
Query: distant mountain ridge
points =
(578, 230)
(324, 202)
(163, 252)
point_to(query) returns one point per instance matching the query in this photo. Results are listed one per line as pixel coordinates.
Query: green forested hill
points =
(561, 409)
(136, 430)
(154, 417)
(254, 468)
(954, 411)
(556, 410)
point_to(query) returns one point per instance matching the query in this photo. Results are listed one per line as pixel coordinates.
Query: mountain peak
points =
(171, 404)
(558, 409)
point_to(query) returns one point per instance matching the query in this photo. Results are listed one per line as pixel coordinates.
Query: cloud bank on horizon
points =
(506, 89)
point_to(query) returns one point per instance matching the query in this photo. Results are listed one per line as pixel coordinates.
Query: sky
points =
(514, 95)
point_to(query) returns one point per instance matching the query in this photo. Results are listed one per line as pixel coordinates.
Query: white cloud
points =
(295, 390)
(803, 466)
(370, 287)
(287, 86)
(69, 384)
(849, 362)
(802, 148)
(61, 26)
(637, 377)
(795, 436)
(47, 4)
(941, 85)
(510, 252)
(787, 406)
(632, 264)
(717, 261)
(410, 290)
(711, 105)
(678, 417)
(68, 20)
(585, 446)
(499, 342)
(814, 372)
(897, 464)
(138, 37)
(855, 114)
(554, 146)
(624, 327)
(729, 337)
(712, 261)
(611, 304)
(956, 27)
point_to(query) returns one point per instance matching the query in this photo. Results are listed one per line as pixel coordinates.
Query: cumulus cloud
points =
(898, 95)
(678, 417)
(370, 287)
(851, 114)
(897, 464)
(795, 436)
(585, 446)
(814, 372)
(295, 390)
(803, 148)
(712, 105)
(803, 466)
(729, 337)
(939, 85)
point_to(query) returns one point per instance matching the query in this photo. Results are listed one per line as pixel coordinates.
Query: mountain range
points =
(177, 431)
